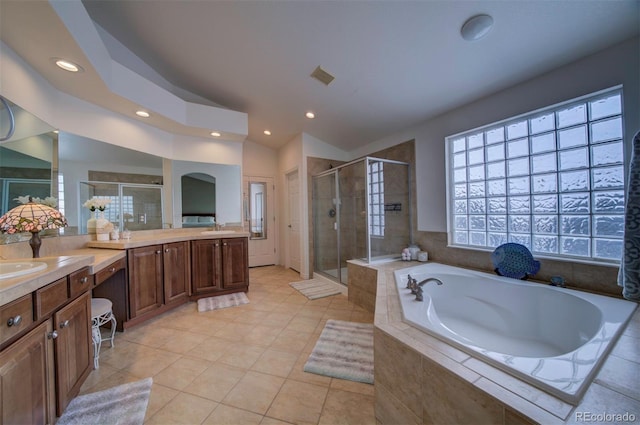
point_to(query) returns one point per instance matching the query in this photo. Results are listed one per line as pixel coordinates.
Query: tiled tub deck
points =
(422, 380)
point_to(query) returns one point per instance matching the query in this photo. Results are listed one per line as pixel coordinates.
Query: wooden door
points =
(73, 348)
(27, 379)
(206, 266)
(235, 260)
(176, 272)
(145, 279)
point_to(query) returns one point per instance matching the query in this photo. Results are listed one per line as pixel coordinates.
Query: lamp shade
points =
(32, 217)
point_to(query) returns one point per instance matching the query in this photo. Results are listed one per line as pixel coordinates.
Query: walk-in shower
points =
(361, 210)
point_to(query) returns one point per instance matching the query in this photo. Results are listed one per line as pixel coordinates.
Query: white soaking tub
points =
(553, 338)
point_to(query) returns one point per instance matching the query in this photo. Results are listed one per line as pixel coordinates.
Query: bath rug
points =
(122, 405)
(316, 288)
(222, 301)
(344, 350)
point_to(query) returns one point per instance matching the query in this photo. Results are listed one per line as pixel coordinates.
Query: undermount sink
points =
(217, 232)
(20, 268)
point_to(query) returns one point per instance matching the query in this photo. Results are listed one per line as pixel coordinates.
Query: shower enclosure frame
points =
(335, 172)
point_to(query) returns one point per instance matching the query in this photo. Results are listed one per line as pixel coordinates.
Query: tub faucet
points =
(435, 279)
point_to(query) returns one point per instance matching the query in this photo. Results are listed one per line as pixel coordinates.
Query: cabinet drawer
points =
(51, 297)
(110, 270)
(79, 282)
(15, 317)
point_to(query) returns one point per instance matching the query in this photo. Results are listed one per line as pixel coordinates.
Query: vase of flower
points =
(91, 223)
(103, 226)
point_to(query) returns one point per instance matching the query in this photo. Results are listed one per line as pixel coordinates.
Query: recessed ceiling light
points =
(310, 115)
(68, 65)
(267, 132)
(476, 27)
(215, 134)
(143, 114)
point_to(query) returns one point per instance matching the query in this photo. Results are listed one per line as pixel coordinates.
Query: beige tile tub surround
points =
(422, 380)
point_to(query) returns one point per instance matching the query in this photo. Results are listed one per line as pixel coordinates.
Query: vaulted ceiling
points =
(396, 63)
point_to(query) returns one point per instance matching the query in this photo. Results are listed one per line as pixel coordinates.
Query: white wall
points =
(259, 160)
(617, 65)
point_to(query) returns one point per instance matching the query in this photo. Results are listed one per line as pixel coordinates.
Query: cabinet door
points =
(206, 267)
(176, 272)
(145, 279)
(235, 260)
(73, 348)
(27, 379)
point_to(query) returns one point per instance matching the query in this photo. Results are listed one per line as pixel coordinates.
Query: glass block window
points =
(552, 180)
(376, 198)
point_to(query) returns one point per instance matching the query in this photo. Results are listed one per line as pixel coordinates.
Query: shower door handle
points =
(335, 225)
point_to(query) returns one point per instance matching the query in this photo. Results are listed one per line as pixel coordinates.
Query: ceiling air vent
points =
(323, 76)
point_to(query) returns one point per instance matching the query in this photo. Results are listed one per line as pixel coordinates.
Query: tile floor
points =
(240, 365)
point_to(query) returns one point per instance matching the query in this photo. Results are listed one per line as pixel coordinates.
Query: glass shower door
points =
(325, 227)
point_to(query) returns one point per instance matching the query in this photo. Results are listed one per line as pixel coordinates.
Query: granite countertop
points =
(96, 255)
(57, 267)
(146, 238)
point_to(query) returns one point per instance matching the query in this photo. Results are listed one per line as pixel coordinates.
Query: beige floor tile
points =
(215, 382)
(302, 324)
(159, 397)
(292, 341)
(151, 364)
(191, 356)
(298, 373)
(262, 388)
(298, 402)
(241, 355)
(181, 373)
(210, 349)
(262, 335)
(234, 331)
(342, 407)
(183, 342)
(184, 409)
(274, 362)
(229, 415)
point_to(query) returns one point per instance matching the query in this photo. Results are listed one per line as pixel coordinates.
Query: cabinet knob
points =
(112, 269)
(158, 252)
(224, 244)
(166, 250)
(64, 324)
(84, 279)
(52, 335)
(14, 321)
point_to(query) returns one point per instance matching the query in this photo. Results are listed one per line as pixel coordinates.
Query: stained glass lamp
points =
(32, 217)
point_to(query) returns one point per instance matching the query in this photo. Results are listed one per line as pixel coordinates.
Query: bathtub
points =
(553, 338)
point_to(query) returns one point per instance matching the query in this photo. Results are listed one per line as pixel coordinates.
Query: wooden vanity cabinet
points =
(219, 266)
(43, 366)
(27, 379)
(159, 278)
(73, 348)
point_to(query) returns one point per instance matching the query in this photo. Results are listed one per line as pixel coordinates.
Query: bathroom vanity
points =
(45, 316)
(45, 339)
(165, 269)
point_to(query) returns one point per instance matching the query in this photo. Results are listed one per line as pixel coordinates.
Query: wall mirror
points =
(257, 209)
(43, 163)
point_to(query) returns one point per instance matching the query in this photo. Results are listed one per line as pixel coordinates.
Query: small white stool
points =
(101, 314)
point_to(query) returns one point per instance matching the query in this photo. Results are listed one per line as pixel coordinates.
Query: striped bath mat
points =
(316, 288)
(344, 350)
(222, 301)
